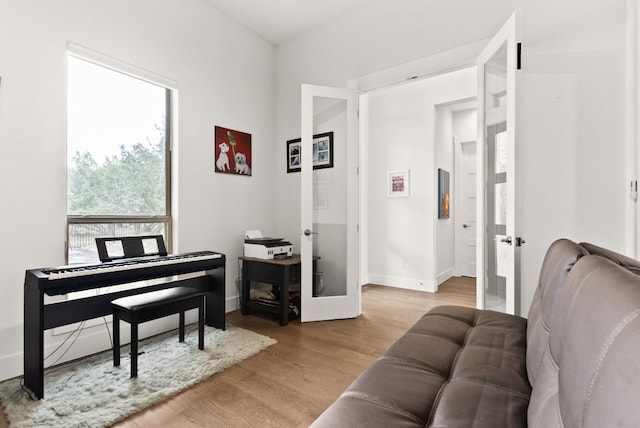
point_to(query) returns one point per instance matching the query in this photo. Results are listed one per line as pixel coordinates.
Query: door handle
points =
(307, 232)
(508, 240)
(465, 225)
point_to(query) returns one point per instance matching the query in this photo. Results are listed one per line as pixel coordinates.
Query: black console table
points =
(281, 273)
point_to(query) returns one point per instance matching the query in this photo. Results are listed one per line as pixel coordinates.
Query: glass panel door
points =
(329, 209)
(498, 285)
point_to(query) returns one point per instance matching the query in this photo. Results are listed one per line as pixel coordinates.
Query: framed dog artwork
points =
(232, 151)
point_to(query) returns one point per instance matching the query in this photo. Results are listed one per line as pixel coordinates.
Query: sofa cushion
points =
(466, 403)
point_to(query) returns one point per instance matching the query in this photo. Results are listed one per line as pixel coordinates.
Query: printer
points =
(260, 247)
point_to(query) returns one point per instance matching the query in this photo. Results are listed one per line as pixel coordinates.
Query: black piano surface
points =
(39, 316)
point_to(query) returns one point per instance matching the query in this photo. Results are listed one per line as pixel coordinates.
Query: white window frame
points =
(171, 86)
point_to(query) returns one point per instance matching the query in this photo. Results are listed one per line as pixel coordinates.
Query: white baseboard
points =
(442, 277)
(406, 283)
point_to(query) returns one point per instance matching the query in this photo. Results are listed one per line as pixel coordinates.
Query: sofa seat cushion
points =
(399, 387)
(493, 367)
(466, 403)
(451, 350)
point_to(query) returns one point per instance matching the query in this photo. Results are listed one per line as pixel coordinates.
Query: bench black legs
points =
(149, 306)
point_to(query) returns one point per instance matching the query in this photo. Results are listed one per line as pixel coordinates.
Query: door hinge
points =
(633, 190)
(519, 55)
(519, 241)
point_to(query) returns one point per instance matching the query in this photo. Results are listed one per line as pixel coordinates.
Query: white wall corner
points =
(443, 276)
(232, 303)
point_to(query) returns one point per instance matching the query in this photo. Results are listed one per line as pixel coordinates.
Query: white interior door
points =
(329, 204)
(497, 284)
(467, 224)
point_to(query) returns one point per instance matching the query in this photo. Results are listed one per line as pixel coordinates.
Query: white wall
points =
(571, 119)
(571, 157)
(465, 125)
(225, 76)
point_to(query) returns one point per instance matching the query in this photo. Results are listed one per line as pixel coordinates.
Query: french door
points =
(498, 274)
(329, 204)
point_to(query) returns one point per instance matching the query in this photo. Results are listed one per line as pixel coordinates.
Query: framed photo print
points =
(398, 183)
(322, 152)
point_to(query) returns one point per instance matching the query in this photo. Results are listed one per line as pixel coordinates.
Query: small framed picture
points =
(398, 183)
(444, 199)
(322, 152)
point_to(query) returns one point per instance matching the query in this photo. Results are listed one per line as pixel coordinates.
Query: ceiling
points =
(279, 20)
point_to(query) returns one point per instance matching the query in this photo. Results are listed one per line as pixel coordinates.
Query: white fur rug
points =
(93, 393)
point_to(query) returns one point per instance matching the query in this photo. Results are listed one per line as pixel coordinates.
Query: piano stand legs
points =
(134, 348)
(116, 341)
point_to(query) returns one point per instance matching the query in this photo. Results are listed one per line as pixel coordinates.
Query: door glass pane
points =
(501, 203)
(329, 197)
(495, 93)
(501, 152)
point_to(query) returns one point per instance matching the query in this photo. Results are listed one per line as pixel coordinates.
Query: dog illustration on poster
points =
(232, 151)
(222, 163)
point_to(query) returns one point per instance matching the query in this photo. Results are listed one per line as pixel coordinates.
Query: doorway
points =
(409, 129)
(465, 119)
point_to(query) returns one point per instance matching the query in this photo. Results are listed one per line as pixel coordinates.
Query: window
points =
(118, 157)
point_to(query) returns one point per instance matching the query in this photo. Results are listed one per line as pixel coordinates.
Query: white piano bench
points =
(145, 307)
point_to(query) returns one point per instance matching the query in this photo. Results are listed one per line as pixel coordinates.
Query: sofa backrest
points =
(626, 262)
(560, 258)
(589, 375)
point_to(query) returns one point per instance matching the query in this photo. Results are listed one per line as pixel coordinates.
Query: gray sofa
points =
(574, 362)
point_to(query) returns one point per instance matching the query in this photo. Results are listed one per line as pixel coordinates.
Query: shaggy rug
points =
(92, 393)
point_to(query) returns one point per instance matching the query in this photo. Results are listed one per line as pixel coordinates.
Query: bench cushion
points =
(156, 298)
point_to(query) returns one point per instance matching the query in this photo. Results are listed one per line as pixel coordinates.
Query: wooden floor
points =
(289, 384)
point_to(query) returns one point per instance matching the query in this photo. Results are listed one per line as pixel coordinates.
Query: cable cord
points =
(78, 330)
(106, 326)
